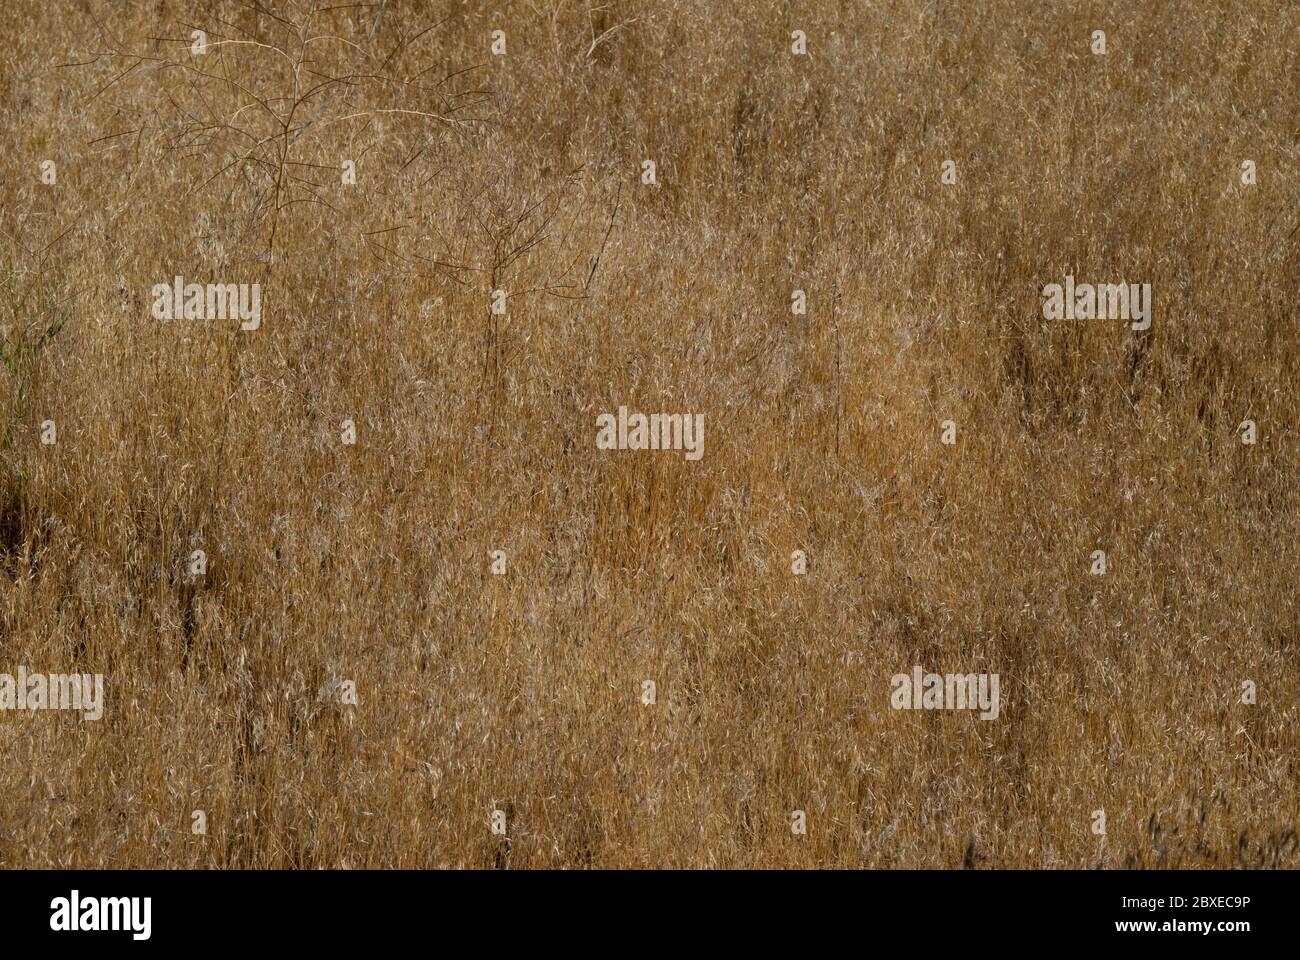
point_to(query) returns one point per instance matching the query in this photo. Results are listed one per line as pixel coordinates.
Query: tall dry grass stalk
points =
(521, 693)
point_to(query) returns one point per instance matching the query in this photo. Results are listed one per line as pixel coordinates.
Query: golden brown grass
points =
(476, 432)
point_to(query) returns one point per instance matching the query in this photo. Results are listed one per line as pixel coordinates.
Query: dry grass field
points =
(368, 565)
